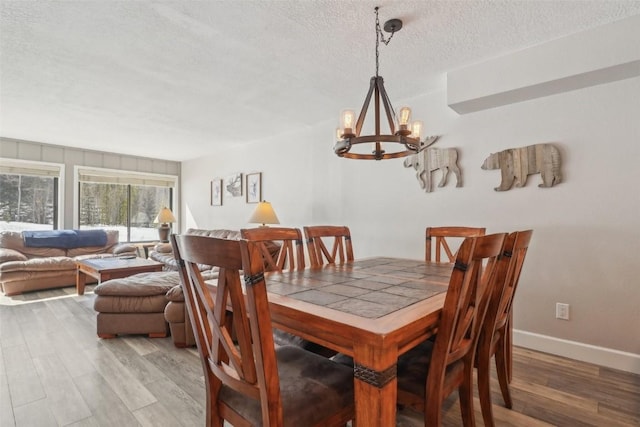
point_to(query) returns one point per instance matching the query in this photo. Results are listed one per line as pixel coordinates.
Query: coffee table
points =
(112, 268)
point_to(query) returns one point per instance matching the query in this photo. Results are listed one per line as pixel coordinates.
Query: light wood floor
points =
(55, 371)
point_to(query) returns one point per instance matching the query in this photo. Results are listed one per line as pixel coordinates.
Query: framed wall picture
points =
(233, 185)
(254, 187)
(216, 192)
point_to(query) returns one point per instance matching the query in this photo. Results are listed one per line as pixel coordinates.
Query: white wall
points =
(587, 229)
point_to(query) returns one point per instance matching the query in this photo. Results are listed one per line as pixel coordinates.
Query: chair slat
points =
(288, 256)
(339, 238)
(437, 237)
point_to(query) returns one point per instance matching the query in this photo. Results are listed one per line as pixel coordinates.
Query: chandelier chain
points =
(380, 38)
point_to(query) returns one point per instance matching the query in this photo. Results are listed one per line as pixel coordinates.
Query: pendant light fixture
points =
(401, 130)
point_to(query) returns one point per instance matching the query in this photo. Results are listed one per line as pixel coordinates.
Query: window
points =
(29, 195)
(125, 201)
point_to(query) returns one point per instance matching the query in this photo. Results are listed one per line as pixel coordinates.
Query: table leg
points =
(81, 280)
(375, 393)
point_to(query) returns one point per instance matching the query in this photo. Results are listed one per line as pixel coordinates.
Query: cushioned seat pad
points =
(413, 368)
(325, 392)
(40, 264)
(140, 293)
(139, 285)
(130, 304)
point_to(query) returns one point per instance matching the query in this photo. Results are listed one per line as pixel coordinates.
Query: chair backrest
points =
(233, 333)
(338, 237)
(441, 237)
(509, 268)
(291, 253)
(464, 306)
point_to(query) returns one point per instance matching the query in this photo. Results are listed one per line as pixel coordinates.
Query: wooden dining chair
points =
(290, 257)
(248, 381)
(291, 254)
(338, 237)
(495, 336)
(439, 239)
(430, 372)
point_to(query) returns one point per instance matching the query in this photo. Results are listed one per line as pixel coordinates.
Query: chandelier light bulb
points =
(404, 121)
(405, 117)
(348, 121)
(416, 129)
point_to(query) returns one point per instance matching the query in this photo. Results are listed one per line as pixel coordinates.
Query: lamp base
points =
(163, 232)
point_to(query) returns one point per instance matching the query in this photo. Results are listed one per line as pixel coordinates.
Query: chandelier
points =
(401, 130)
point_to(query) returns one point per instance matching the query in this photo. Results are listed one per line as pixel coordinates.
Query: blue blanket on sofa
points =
(64, 239)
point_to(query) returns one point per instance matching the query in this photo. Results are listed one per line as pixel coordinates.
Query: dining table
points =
(372, 309)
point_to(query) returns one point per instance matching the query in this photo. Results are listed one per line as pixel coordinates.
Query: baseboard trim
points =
(602, 356)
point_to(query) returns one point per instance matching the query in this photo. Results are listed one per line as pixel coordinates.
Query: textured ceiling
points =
(180, 79)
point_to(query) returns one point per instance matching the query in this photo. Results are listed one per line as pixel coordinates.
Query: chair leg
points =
(502, 353)
(213, 417)
(484, 387)
(508, 334)
(465, 393)
(433, 410)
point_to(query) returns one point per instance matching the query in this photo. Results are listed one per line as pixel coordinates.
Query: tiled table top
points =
(370, 288)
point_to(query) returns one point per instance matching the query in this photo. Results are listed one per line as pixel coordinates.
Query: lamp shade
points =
(164, 216)
(264, 214)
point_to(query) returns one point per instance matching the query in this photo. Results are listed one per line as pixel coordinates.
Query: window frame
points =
(124, 177)
(43, 169)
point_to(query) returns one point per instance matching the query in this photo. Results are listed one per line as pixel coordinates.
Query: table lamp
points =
(264, 214)
(165, 216)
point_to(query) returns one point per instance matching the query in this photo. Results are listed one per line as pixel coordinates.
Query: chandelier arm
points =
(383, 156)
(365, 106)
(378, 152)
(383, 138)
(376, 109)
(391, 114)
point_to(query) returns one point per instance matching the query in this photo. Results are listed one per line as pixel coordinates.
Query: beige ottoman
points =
(134, 305)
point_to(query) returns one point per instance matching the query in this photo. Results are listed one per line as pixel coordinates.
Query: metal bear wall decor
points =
(431, 159)
(516, 164)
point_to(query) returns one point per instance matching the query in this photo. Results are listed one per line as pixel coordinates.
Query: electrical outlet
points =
(562, 311)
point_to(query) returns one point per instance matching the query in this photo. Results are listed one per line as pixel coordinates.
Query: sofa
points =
(163, 252)
(24, 268)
